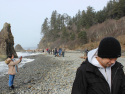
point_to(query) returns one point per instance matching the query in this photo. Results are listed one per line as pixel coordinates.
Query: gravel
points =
(46, 75)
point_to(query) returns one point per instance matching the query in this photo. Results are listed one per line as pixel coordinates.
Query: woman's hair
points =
(10, 55)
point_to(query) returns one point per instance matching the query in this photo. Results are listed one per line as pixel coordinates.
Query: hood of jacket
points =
(8, 60)
(92, 58)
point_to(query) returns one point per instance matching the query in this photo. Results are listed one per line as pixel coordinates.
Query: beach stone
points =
(29, 87)
(12, 92)
(24, 67)
(27, 81)
(32, 88)
(38, 72)
(56, 77)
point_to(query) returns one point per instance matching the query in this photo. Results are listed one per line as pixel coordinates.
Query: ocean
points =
(4, 66)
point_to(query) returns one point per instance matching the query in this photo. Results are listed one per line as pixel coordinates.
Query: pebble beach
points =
(47, 74)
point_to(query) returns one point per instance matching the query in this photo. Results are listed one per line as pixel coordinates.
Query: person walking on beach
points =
(101, 73)
(12, 69)
(87, 52)
(60, 51)
(51, 51)
(55, 51)
(63, 51)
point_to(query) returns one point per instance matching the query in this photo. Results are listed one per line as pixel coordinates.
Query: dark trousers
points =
(63, 54)
(55, 54)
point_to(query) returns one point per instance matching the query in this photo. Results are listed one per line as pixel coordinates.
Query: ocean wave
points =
(4, 66)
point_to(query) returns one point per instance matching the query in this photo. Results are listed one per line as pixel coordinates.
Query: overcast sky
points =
(27, 16)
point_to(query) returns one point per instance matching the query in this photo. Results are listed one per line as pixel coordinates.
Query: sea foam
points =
(4, 67)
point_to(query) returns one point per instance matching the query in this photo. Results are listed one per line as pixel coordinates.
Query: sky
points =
(27, 16)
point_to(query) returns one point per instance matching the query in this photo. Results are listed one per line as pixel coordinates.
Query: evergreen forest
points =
(63, 29)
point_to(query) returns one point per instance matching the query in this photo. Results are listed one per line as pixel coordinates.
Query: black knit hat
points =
(109, 47)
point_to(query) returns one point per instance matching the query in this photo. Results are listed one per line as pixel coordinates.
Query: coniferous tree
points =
(83, 19)
(83, 36)
(118, 9)
(53, 19)
(78, 20)
(89, 16)
(109, 10)
(65, 34)
(59, 22)
(45, 27)
(72, 36)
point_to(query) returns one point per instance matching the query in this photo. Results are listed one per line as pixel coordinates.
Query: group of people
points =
(57, 51)
(49, 51)
(100, 73)
(60, 51)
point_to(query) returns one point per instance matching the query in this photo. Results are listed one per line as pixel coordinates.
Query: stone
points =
(18, 48)
(12, 92)
(6, 42)
(29, 87)
(27, 81)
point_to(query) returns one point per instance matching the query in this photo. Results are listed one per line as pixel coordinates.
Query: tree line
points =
(61, 26)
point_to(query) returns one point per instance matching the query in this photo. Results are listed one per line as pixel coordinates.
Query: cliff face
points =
(6, 41)
(111, 27)
(18, 48)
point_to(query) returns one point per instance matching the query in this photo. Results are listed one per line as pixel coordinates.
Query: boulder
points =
(6, 42)
(18, 48)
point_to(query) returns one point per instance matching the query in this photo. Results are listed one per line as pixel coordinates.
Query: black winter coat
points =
(56, 50)
(89, 80)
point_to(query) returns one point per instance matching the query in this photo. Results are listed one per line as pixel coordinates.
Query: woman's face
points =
(12, 56)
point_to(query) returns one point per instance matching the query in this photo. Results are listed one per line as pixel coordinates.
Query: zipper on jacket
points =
(107, 80)
(116, 72)
(106, 75)
(114, 76)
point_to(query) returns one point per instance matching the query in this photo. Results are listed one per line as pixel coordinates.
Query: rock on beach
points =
(46, 75)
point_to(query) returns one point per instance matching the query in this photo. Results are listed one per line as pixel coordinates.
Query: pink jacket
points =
(11, 66)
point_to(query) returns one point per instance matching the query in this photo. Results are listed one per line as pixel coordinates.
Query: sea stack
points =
(18, 48)
(6, 41)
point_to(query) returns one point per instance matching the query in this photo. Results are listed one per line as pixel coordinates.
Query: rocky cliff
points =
(6, 42)
(111, 27)
(18, 48)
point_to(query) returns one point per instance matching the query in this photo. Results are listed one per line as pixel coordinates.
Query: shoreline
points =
(34, 73)
(46, 74)
(29, 73)
(4, 67)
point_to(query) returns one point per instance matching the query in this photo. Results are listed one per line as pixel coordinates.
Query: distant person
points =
(43, 50)
(101, 73)
(87, 52)
(55, 52)
(47, 50)
(12, 69)
(51, 51)
(63, 51)
(60, 51)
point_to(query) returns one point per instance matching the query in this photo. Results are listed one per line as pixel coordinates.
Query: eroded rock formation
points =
(6, 41)
(18, 48)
